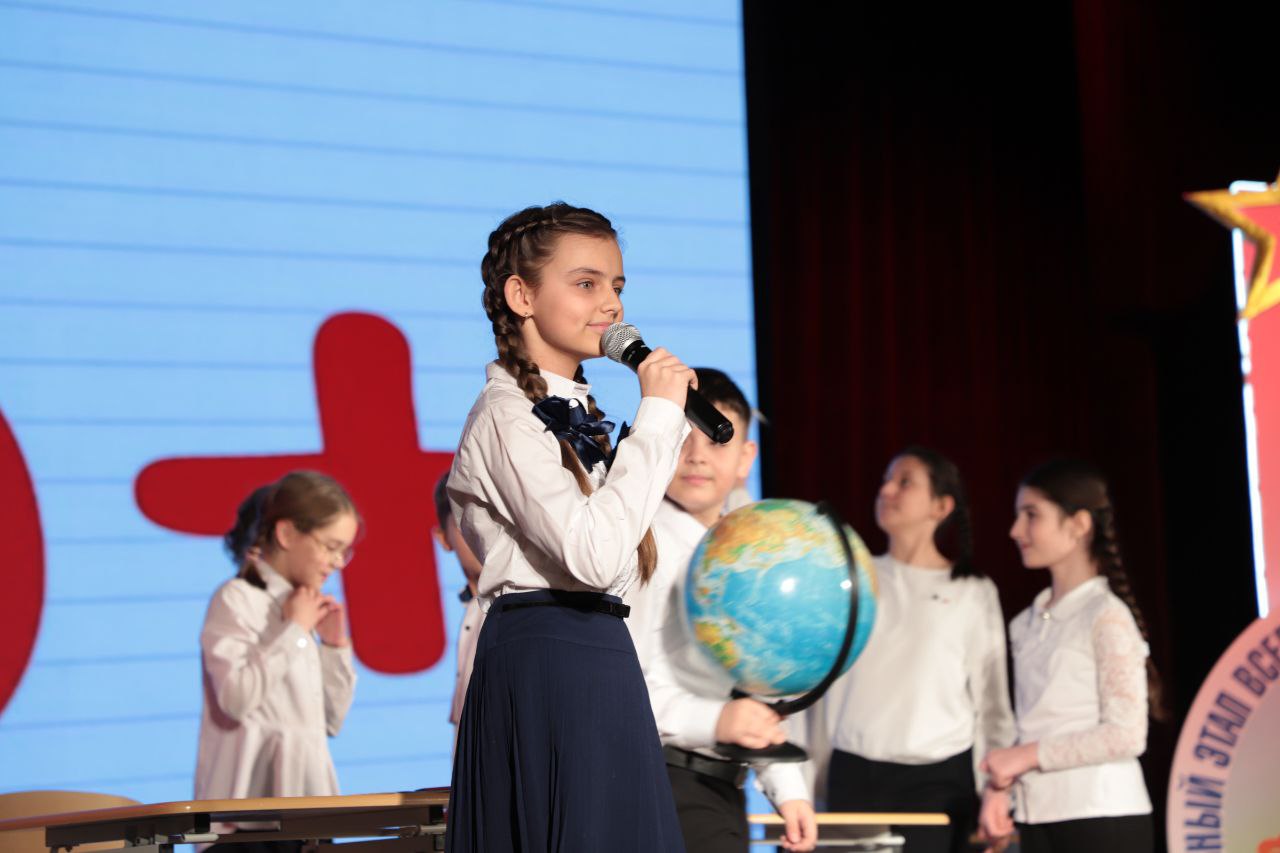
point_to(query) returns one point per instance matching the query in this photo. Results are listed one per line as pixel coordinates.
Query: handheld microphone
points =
(621, 343)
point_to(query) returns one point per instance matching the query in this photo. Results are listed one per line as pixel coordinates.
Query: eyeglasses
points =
(338, 554)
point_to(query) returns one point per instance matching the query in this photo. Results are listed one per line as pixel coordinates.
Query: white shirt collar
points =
(277, 587)
(920, 571)
(557, 386)
(685, 525)
(1064, 607)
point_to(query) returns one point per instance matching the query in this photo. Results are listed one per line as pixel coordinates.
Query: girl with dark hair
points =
(1084, 682)
(930, 690)
(273, 695)
(557, 746)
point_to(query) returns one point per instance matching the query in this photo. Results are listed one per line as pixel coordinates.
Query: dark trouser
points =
(712, 812)
(856, 784)
(1127, 834)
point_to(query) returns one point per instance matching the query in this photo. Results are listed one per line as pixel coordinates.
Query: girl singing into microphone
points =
(557, 746)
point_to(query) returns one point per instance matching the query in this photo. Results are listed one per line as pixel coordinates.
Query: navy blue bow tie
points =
(623, 432)
(575, 425)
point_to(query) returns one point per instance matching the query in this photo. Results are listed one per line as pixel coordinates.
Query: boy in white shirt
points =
(449, 537)
(690, 697)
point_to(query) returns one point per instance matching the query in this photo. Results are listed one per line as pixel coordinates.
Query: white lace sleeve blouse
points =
(1081, 693)
(521, 510)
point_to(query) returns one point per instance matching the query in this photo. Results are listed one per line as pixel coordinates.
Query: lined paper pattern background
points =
(188, 190)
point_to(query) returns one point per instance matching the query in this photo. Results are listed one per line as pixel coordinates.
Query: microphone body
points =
(622, 343)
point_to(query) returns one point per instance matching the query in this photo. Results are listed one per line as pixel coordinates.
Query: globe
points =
(770, 595)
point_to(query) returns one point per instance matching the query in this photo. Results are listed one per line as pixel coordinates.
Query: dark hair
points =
(954, 534)
(240, 538)
(309, 499)
(522, 245)
(1075, 485)
(441, 497)
(717, 388)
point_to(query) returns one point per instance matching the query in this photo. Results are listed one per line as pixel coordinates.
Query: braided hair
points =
(1075, 485)
(521, 246)
(953, 536)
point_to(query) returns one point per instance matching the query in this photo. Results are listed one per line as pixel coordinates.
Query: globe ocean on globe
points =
(770, 595)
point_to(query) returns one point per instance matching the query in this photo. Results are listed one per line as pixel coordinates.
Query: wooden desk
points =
(399, 823)
(861, 831)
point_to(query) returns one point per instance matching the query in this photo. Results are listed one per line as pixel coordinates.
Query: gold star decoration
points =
(1257, 214)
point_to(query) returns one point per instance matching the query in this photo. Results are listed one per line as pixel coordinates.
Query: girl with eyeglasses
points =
(277, 664)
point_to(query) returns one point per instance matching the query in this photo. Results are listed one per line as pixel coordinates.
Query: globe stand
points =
(789, 752)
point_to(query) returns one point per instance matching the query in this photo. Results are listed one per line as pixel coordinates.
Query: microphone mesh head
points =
(617, 338)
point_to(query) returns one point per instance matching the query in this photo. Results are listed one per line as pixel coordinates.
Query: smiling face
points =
(1044, 534)
(575, 299)
(707, 471)
(308, 558)
(906, 501)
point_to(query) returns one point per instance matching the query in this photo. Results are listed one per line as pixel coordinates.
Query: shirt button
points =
(302, 642)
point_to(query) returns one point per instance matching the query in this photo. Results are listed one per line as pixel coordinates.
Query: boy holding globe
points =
(690, 696)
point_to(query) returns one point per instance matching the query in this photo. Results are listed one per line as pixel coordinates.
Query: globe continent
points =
(768, 596)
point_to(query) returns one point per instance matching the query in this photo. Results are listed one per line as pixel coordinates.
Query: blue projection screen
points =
(191, 190)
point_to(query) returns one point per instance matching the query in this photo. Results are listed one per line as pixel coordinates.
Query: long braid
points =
(501, 261)
(1105, 548)
(520, 246)
(602, 440)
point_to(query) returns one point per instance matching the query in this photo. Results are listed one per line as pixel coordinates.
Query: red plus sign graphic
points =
(370, 444)
(23, 596)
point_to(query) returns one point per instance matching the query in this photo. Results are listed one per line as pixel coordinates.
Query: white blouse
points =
(1081, 692)
(932, 681)
(686, 689)
(521, 510)
(273, 695)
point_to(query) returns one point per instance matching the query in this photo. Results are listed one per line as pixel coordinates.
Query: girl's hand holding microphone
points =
(663, 375)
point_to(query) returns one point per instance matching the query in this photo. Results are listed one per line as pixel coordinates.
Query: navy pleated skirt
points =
(557, 747)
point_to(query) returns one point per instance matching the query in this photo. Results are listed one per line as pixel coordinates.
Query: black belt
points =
(732, 772)
(588, 601)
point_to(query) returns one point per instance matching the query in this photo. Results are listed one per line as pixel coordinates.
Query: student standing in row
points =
(1083, 678)
(449, 537)
(691, 697)
(930, 690)
(273, 695)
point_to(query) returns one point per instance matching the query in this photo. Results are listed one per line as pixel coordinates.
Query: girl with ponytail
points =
(931, 689)
(1084, 682)
(557, 746)
(278, 670)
